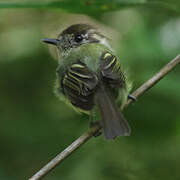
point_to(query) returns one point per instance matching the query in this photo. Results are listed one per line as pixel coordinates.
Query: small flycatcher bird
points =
(90, 78)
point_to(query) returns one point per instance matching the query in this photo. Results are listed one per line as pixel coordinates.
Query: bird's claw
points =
(130, 96)
(97, 123)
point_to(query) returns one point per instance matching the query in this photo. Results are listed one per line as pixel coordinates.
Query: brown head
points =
(75, 36)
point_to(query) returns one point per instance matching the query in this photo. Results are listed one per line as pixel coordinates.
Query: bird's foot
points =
(97, 123)
(130, 96)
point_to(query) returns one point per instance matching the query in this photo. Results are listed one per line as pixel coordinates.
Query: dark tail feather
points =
(113, 122)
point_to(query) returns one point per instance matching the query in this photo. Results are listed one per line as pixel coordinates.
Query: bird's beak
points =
(50, 41)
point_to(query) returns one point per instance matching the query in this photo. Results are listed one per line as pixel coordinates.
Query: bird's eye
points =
(78, 38)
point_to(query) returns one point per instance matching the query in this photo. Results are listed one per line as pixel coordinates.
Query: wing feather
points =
(79, 85)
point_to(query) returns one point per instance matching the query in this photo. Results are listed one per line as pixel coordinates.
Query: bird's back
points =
(89, 54)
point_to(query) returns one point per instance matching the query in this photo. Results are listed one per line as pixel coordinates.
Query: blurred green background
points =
(35, 125)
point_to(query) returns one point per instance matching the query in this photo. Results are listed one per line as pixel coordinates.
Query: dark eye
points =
(78, 38)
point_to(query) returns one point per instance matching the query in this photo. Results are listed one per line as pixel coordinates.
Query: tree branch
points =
(152, 81)
(86, 136)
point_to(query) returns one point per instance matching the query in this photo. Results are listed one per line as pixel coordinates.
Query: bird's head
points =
(75, 36)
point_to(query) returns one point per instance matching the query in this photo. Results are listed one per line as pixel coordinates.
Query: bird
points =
(90, 77)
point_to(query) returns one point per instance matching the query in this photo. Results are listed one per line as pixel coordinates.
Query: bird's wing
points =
(113, 76)
(79, 84)
(111, 71)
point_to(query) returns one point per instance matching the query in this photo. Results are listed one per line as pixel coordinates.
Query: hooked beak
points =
(50, 41)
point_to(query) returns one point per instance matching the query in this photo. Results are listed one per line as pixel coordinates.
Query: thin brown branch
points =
(86, 136)
(67, 152)
(157, 77)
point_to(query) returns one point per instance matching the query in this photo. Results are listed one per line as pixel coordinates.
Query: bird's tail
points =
(113, 122)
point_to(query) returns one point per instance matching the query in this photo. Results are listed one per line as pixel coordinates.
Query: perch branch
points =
(157, 77)
(87, 135)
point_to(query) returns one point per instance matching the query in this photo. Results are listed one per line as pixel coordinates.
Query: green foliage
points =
(90, 6)
(35, 126)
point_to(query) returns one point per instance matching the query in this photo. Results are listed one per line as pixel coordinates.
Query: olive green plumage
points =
(90, 77)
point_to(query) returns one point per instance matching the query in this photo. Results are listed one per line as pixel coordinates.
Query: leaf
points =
(86, 6)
